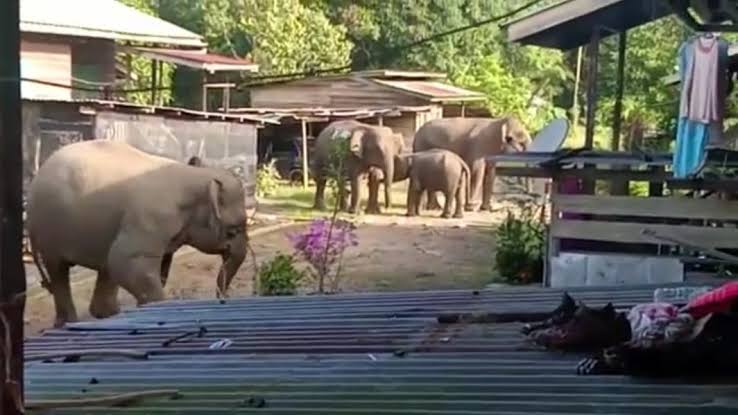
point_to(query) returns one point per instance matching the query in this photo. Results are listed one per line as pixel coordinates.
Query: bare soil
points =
(394, 253)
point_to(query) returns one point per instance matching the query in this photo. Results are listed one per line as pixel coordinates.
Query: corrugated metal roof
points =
(313, 114)
(209, 62)
(104, 19)
(435, 91)
(353, 354)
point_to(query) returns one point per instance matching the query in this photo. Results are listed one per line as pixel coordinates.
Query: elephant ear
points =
(355, 142)
(215, 193)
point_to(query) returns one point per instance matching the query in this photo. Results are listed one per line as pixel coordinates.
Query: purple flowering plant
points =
(322, 245)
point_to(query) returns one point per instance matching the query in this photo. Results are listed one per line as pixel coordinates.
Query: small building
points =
(79, 49)
(72, 64)
(414, 97)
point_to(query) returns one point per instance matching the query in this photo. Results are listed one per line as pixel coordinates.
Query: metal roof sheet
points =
(199, 59)
(104, 19)
(435, 91)
(352, 354)
(569, 24)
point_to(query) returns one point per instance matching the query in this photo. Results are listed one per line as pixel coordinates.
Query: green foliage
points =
(519, 247)
(267, 179)
(141, 70)
(279, 276)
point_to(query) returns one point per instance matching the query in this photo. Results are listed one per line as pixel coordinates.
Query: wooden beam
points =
(629, 232)
(617, 115)
(12, 272)
(652, 207)
(629, 175)
(304, 155)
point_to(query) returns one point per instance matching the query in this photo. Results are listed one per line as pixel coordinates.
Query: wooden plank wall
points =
(635, 213)
(46, 61)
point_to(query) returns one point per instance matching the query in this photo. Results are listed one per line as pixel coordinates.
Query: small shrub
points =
(267, 179)
(322, 245)
(520, 243)
(279, 276)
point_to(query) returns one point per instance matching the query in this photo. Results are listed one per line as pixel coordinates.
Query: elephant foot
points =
(458, 215)
(446, 215)
(411, 214)
(352, 210)
(104, 310)
(373, 211)
(471, 208)
(486, 208)
(319, 206)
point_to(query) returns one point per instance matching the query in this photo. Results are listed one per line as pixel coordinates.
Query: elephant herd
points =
(448, 155)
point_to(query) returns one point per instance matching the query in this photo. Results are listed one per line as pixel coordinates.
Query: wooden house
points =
(76, 49)
(418, 97)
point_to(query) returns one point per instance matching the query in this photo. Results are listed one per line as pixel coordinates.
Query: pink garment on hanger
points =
(706, 98)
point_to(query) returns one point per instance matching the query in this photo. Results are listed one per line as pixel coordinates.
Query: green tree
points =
(141, 73)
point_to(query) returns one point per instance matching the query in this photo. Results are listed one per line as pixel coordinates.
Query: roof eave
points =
(29, 27)
(570, 24)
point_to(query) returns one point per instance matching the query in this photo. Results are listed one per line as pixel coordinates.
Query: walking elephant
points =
(109, 207)
(474, 139)
(368, 146)
(435, 170)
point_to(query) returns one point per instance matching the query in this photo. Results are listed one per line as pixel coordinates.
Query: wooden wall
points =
(330, 93)
(93, 60)
(46, 61)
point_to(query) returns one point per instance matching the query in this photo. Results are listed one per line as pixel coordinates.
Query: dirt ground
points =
(394, 253)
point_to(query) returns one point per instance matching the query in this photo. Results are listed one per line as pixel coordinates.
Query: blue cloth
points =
(692, 137)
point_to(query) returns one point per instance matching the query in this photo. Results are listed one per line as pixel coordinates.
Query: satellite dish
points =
(551, 137)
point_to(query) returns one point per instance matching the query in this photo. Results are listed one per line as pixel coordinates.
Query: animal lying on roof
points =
(619, 344)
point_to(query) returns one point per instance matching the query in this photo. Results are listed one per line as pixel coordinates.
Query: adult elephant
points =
(473, 139)
(368, 146)
(107, 206)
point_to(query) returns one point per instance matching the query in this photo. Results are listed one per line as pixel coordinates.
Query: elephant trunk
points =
(233, 257)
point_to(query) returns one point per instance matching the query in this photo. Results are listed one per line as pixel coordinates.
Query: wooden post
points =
(619, 187)
(463, 110)
(552, 244)
(204, 94)
(380, 120)
(593, 53)
(620, 82)
(154, 75)
(12, 272)
(575, 98)
(304, 154)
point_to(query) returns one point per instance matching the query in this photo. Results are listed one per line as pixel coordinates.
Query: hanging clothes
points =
(703, 62)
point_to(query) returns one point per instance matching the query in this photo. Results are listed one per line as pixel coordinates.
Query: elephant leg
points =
(477, 181)
(104, 301)
(432, 201)
(372, 206)
(62, 291)
(488, 187)
(447, 204)
(319, 192)
(389, 174)
(460, 196)
(355, 192)
(135, 269)
(166, 265)
(414, 193)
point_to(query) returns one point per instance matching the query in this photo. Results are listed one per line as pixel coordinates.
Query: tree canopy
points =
(289, 36)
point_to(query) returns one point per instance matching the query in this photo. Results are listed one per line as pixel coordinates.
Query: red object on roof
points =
(715, 301)
(210, 62)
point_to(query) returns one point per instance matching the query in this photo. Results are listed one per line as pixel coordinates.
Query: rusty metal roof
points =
(102, 19)
(432, 90)
(352, 354)
(199, 59)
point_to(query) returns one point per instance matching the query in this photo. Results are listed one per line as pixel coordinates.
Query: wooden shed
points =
(371, 90)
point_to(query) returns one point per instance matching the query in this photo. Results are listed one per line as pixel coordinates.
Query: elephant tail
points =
(42, 271)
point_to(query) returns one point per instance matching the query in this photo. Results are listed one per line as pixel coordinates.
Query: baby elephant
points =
(435, 170)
